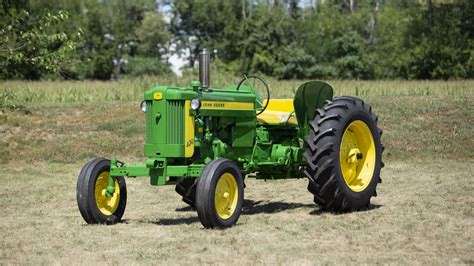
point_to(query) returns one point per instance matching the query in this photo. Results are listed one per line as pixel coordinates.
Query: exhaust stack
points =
(204, 68)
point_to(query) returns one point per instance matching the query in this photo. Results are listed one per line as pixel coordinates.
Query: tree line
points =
(286, 39)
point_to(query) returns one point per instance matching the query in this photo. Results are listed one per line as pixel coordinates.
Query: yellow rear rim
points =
(106, 205)
(357, 156)
(226, 196)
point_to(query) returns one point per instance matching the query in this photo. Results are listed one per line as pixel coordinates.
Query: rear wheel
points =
(343, 155)
(95, 206)
(219, 194)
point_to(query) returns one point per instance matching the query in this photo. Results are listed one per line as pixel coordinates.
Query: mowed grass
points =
(423, 212)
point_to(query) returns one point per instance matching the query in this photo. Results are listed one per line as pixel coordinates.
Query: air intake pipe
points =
(204, 68)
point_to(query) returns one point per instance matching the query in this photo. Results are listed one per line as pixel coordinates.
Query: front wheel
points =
(343, 155)
(187, 189)
(219, 194)
(95, 205)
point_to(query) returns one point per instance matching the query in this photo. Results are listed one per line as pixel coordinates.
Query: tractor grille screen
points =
(175, 124)
(150, 121)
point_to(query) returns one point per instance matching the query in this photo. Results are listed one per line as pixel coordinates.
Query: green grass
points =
(68, 121)
(21, 93)
(423, 213)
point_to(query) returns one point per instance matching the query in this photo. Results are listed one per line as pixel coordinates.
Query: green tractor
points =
(206, 141)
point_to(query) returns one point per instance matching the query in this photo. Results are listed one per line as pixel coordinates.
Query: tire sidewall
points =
(104, 166)
(206, 192)
(359, 198)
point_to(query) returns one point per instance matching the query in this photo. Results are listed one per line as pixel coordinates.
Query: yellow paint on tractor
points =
(106, 205)
(282, 105)
(158, 96)
(218, 105)
(189, 133)
(226, 196)
(278, 112)
(357, 156)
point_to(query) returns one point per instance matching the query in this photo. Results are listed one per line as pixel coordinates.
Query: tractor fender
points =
(310, 96)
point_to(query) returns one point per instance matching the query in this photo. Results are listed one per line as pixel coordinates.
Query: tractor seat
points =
(278, 112)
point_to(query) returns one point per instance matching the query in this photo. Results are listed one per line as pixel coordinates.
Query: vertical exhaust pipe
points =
(204, 68)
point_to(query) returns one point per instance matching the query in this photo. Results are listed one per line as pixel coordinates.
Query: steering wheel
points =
(246, 78)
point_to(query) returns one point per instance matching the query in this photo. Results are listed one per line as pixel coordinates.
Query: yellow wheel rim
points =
(357, 156)
(106, 205)
(226, 196)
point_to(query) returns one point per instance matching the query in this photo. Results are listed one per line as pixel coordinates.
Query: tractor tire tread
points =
(322, 142)
(205, 193)
(86, 198)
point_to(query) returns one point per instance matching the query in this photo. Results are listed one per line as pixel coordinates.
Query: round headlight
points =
(195, 104)
(143, 106)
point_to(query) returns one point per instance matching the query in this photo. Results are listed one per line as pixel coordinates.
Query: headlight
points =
(143, 106)
(195, 104)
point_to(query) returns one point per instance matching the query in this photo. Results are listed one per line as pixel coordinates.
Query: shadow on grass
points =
(177, 221)
(256, 207)
(185, 209)
(320, 211)
(250, 208)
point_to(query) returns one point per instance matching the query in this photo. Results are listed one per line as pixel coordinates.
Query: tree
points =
(213, 24)
(440, 48)
(152, 35)
(424, 39)
(28, 47)
(111, 34)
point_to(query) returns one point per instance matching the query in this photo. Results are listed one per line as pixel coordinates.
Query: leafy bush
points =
(263, 62)
(29, 47)
(350, 61)
(353, 67)
(322, 72)
(294, 63)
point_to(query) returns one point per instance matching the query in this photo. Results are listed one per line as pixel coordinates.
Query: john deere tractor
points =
(206, 141)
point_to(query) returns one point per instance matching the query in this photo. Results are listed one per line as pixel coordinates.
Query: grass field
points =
(423, 214)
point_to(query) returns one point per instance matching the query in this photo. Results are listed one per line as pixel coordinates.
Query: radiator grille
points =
(150, 122)
(175, 124)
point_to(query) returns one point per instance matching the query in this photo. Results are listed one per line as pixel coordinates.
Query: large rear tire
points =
(343, 155)
(94, 205)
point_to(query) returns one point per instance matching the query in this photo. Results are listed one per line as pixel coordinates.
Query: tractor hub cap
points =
(226, 196)
(357, 156)
(106, 205)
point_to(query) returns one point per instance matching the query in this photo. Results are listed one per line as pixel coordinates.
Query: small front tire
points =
(219, 194)
(95, 207)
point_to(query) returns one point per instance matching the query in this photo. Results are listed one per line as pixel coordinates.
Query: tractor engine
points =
(198, 124)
